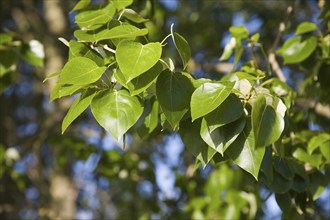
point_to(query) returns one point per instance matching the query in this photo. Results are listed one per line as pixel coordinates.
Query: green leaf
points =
(208, 97)
(255, 38)
(142, 82)
(133, 16)
(52, 75)
(121, 4)
(61, 90)
(81, 71)
(279, 183)
(239, 32)
(189, 132)
(116, 111)
(314, 160)
(305, 27)
(229, 48)
(134, 58)
(296, 50)
(82, 4)
(33, 53)
(183, 48)
(221, 138)
(149, 119)
(230, 110)
(244, 153)
(93, 19)
(281, 166)
(284, 201)
(317, 141)
(8, 61)
(123, 31)
(78, 49)
(6, 38)
(325, 150)
(174, 92)
(267, 124)
(78, 106)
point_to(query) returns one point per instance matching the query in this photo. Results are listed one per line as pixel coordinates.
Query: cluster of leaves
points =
(123, 78)
(245, 117)
(12, 49)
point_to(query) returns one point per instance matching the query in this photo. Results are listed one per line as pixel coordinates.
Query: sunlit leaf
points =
(78, 106)
(314, 160)
(122, 31)
(133, 16)
(296, 49)
(93, 19)
(134, 58)
(78, 49)
(221, 138)
(183, 48)
(230, 110)
(305, 27)
(81, 71)
(267, 124)
(142, 82)
(120, 4)
(244, 153)
(116, 111)
(239, 32)
(317, 141)
(208, 97)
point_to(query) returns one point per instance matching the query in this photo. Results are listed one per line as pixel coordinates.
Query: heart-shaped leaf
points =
(305, 27)
(173, 92)
(230, 110)
(116, 111)
(78, 49)
(133, 16)
(208, 97)
(134, 58)
(183, 48)
(123, 31)
(221, 138)
(121, 4)
(142, 82)
(81, 71)
(244, 153)
(296, 50)
(78, 106)
(149, 119)
(92, 19)
(189, 132)
(267, 124)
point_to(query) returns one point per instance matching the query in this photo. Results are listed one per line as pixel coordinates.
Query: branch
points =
(322, 110)
(271, 57)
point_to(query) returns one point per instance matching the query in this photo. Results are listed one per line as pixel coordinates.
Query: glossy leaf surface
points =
(230, 110)
(221, 138)
(296, 49)
(244, 153)
(134, 58)
(116, 111)
(208, 97)
(183, 48)
(81, 71)
(123, 31)
(267, 124)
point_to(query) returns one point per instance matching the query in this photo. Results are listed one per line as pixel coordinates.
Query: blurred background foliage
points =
(85, 173)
